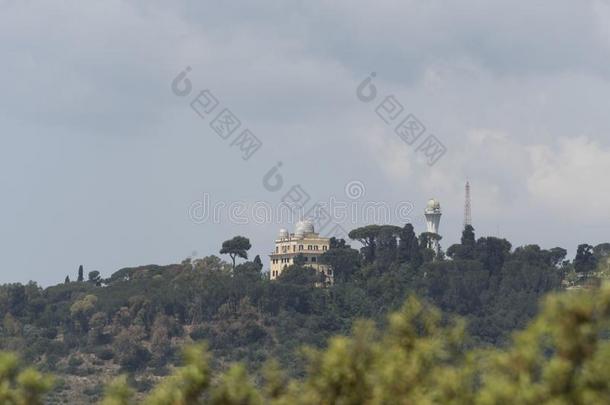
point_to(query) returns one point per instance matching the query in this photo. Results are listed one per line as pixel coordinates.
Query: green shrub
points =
(104, 353)
(75, 361)
(200, 333)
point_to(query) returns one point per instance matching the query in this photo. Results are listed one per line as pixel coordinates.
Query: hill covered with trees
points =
(137, 320)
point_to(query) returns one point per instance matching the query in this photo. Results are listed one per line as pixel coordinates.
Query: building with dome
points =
(304, 241)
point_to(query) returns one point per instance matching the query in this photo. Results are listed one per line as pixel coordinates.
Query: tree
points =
(94, 277)
(186, 385)
(118, 392)
(21, 386)
(426, 241)
(466, 249)
(128, 348)
(417, 256)
(468, 237)
(81, 309)
(335, 243)
(160, 343)
(67, 280)
(258, 262)
(11, 325)
(367, 236)
(386, 245)
(602, 251)
(299, 260)
(236, 247)
(455, 251)
(81, 277)
(96, 325)
(295, 289)
(557, 256)
(604, 269)
(585, 260)
(235, 387)
(299, 275)
(405, 251)
(343, 260)
(244, 276)
(492, 252)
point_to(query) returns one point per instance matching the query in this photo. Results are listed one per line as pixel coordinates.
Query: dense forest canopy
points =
(137, 320)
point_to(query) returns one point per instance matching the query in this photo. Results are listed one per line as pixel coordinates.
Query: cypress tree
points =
(258, 262)
(406, 238)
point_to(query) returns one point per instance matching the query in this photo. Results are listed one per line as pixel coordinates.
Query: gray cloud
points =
(100, 161)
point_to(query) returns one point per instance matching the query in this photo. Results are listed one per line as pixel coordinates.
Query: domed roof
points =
(283, 233)
(433, 204)
(303, 228)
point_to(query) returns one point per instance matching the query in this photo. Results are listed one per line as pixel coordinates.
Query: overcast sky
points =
(101, 163)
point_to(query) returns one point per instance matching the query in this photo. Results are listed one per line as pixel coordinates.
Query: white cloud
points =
(564, 180)
(390, 153)
(571, 179)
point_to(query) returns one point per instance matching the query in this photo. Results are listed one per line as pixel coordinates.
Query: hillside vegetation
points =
(137, 321)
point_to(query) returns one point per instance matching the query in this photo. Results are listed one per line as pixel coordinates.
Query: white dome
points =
(433, 204)
(283, 233)
(304, 227)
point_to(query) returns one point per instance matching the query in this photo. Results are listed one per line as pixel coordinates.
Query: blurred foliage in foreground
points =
(562, 357)
(21, 387)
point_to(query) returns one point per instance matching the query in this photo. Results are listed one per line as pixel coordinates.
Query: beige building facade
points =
(304, 241)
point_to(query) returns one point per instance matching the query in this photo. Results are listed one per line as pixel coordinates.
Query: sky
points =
(105, 162)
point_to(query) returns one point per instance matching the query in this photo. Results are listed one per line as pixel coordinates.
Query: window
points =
(315, 247)
(277, 249)
(308, 247)
(294, 248)
(300, 247)
(313, 259)
(324, 247)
